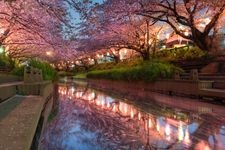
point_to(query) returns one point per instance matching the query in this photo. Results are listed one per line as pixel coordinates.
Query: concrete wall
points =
(5, 78)
(7, 92)
(172, 87)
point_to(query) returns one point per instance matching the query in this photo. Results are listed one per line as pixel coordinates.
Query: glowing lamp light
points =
(180, 132)
(125, 109)
(72, 89)
(103, 104)
(187, 137)
(114, 108)
(1, 50)
(2, 31)
(207, 21)
(167, 35)
(98, 102)
(139, 116)
(157, 36)
(167, 130)
(186, 33)
(157, 126)
(107, 53)
(48, 53)
(180, 27)
(131, 114)
(149, 123)
(108, 105)
(125, 51)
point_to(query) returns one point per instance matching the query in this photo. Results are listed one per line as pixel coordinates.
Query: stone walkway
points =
(19, 117)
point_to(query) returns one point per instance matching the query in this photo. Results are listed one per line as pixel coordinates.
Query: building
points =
(176, 40)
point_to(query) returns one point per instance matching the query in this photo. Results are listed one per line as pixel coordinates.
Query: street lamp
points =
(48, 53)
(1, 50)
(167, 36)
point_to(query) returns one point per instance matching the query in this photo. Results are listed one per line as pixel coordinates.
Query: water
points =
(92, 120)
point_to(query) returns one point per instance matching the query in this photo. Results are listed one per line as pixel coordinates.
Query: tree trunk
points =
(202, 44)
(145, 56)
(95, 61)
(117, 59)
(202, 41)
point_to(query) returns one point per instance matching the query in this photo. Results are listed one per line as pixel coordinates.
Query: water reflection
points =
(90, 119)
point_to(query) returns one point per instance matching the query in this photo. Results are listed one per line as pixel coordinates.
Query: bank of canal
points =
(89, 119)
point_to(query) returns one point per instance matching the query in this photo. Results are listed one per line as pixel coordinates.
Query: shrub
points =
(49, 73)
(64, 73)
(182, 53)
(147, 71)
(112, 65)
(6, 62)
(18, 71)
(80, 76)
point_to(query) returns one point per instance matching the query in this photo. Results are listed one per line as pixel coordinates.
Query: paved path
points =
(19, 117)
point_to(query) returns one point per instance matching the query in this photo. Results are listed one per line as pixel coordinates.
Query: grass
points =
(112, 65)
(81, 76)
(146, 71)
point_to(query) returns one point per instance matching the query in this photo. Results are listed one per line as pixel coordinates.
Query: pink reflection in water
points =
(202, 146)
(167, 130)
(139, 116)
(187, 139)
(132, 113)
(180, 132)
(150, 123)
(170, 130)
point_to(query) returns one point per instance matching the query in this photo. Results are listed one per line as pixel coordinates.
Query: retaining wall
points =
(172, 87)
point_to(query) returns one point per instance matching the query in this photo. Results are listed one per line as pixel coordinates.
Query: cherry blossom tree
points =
(33, 28)
(127, 31)
(196, 20)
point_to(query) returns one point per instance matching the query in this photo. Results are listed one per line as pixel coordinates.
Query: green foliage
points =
(49, 73)
(64, 73)
(147, 71)
(81, 76)
(112, 65)
(182, 53)
(18, 71)
(6, 62)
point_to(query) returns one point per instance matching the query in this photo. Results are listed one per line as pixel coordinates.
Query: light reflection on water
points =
(90, 119)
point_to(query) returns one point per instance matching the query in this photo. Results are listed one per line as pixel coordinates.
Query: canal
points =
(89, 119)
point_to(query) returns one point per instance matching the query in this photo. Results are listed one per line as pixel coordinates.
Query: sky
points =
(75, 17)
